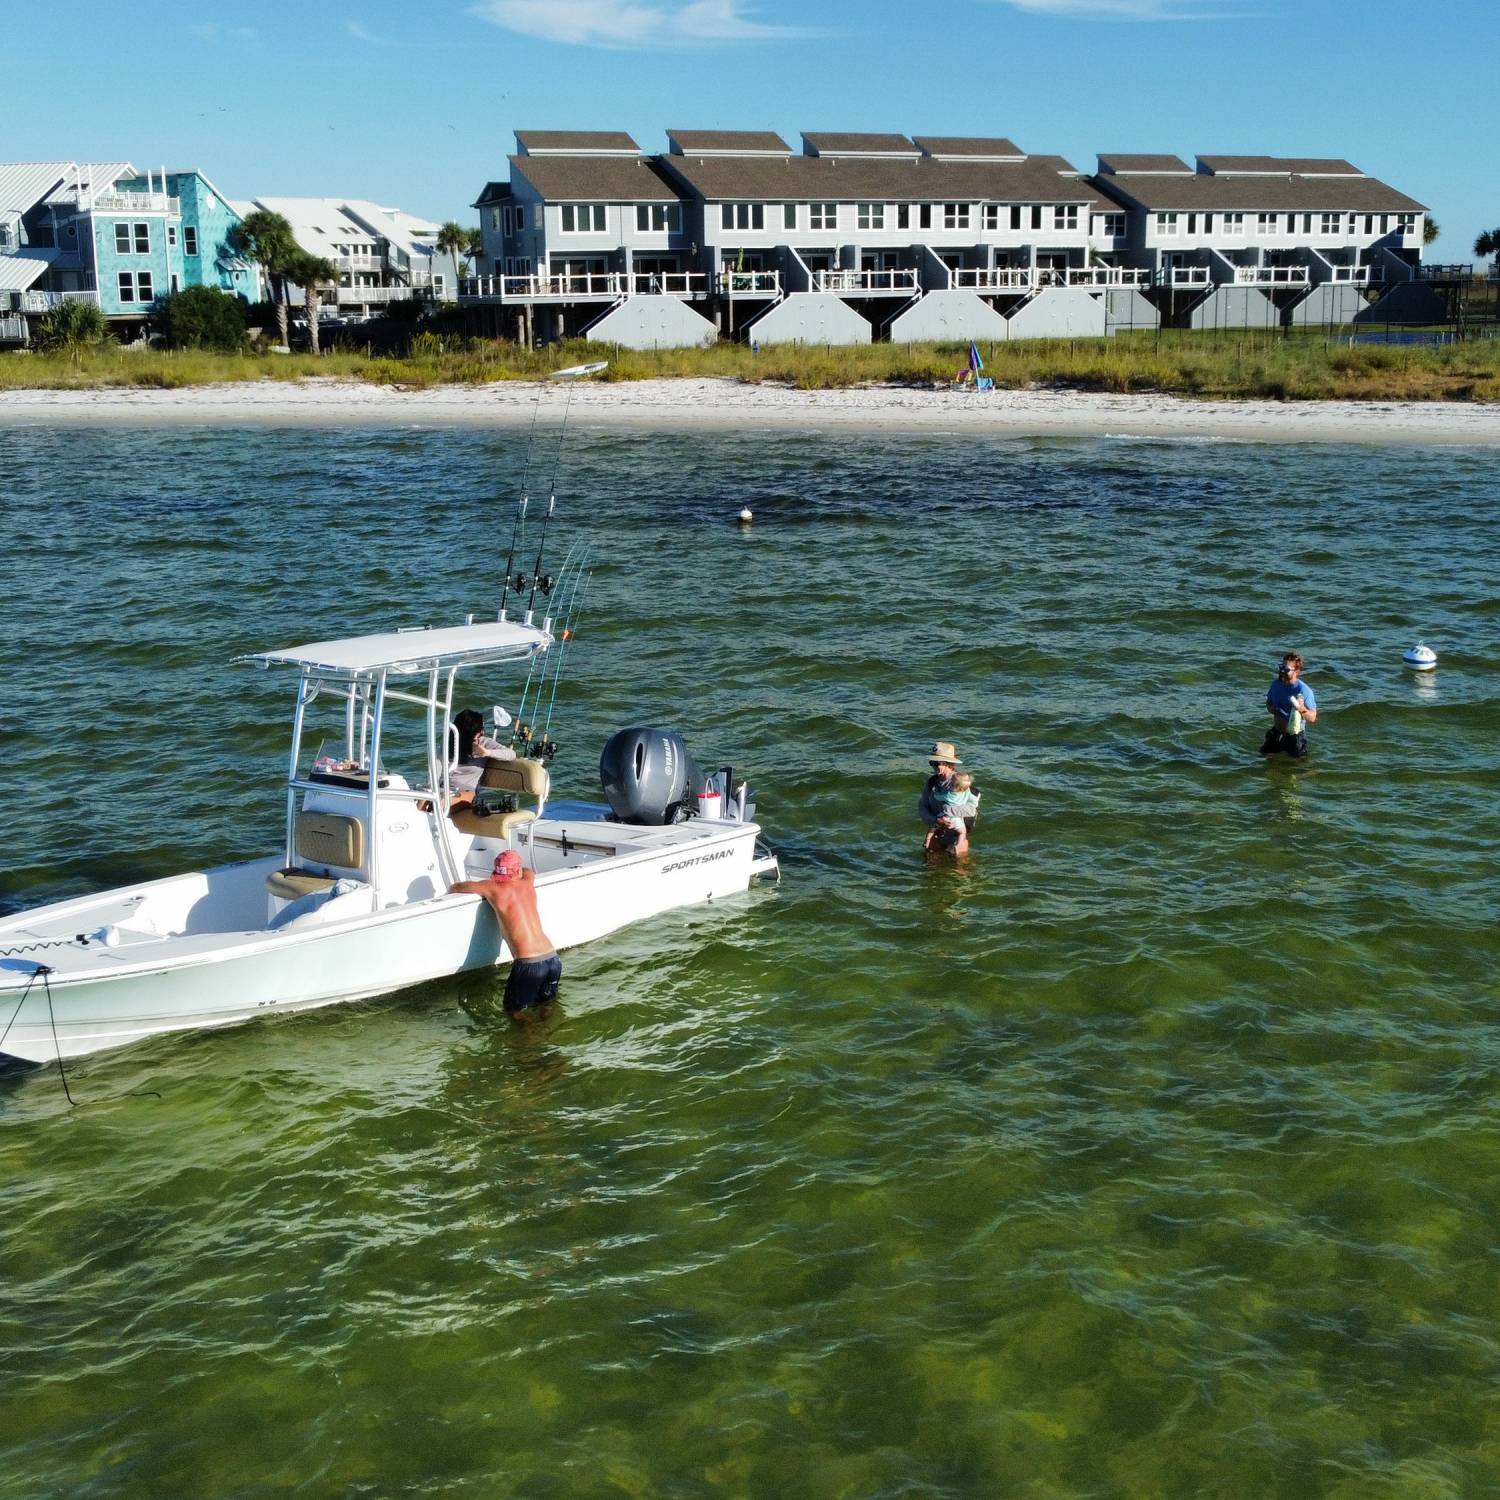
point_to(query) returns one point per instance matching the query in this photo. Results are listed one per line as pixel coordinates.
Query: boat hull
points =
(88, 1000)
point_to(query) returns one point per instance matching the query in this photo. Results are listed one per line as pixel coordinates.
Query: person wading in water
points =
(535, 969)
(946, 833)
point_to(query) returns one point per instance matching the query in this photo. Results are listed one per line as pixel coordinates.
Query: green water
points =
(1151, 1153)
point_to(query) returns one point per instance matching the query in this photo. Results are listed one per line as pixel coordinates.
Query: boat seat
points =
(518, 778)
(324, 839)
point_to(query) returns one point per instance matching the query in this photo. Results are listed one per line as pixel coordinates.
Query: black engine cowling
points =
(649, 776)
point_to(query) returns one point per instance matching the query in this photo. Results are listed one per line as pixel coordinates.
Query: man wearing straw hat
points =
(946, 831)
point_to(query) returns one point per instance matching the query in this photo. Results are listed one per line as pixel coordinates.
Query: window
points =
(788, 215)
(924, 216)
(1065, 216)
(1266, 223)
(1353, 224)
(955, 216)
(1113, 226)
(991, 216)
(1036, 215)
(143, 239)
(495, 218)
(176, 285)
(743, 215)
(122, 239)
(1166, 224)
(1307, 223)
(583, 218)
(439, 287)
(4, 236)
(1192, 224)
(1328, 223)
(501, 219)
(1015, 216)
(903, 216)
(660, 217)
(171, 234)
(135, 286)
(1385, 223)
(1208, 223)
(1406, 223)
(189, 239)
(1369, 223)
(520, 221)
(871, 215)
(1234, 223)
(823, 216)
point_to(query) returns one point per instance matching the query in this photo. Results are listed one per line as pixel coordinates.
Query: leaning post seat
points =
(519, 778)
(327, 839)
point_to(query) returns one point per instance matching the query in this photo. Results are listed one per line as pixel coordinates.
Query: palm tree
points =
(1488, 244)
(474, 242)
(453, 239)
(312, 273)
(266, 238)
(1431, 229)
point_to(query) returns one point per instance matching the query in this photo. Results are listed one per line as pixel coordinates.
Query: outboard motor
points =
(649, 777)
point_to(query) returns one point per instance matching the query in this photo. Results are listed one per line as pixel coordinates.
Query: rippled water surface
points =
(1151, 1153)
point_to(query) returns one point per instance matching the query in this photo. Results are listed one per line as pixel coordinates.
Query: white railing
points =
(358, 262)
(138, 202)
(1356, 275)
(853, 283)
(1188, 276)
(1108, 276)
(372, 294)
(1271, 276)
(665, 284)
(995, 280)
(13, 329)
(38, 301)
(750, 283)
(89, 297)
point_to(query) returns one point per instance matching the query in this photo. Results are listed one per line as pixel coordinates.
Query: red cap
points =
(507, 865)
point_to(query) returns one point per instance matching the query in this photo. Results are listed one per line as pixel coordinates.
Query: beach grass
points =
(1213, 365)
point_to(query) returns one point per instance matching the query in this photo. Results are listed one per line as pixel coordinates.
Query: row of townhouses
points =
(861, 236)
(108, 234)
(734, 234)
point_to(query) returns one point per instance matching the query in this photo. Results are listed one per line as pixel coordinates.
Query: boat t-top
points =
(356, 902)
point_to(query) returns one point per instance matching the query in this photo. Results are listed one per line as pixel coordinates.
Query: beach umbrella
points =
(975, 363)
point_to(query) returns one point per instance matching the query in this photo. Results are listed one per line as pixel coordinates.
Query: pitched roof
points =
(492, 192)
(922, 179)
(1204, 191)
(855, 143)
(600, 179)
(1306, 166)
(17, 272)
(727, 142)
(581, 142)
(991, 148)
(1115, 162)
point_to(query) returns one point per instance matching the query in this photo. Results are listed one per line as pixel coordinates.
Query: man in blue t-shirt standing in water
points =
(1291, 704)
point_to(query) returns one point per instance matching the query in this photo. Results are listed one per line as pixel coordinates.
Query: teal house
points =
(109, 234)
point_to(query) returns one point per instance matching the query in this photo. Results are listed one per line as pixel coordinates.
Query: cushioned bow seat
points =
(321, 839)
(518, 778)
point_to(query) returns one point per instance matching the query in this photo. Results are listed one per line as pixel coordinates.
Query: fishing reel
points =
(542, 582)
(533, 746)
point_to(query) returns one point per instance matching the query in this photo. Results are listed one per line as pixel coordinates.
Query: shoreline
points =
(729, 405)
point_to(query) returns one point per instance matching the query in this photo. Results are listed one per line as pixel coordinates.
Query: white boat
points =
(356, 902)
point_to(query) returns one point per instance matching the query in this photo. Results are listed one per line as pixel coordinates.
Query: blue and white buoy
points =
(1423, 658)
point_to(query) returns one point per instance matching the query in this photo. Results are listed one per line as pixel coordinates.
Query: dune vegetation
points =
(1207, 365)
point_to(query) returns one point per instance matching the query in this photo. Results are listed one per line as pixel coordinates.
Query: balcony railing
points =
(665, 284)
(749, 283)
(137, 202)
(1187, 276)
(863, 283)
(359, 262)
(1272, 276)
(13, 330)
(1108, 276)
(995, 279)
(1357, 275)
(369, 295)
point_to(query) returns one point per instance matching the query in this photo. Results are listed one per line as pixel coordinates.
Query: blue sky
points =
(414, 104)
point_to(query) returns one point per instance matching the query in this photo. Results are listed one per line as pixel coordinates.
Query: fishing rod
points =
(574, 606)
(519, 729)
(539, 744)
(536, 572)
(518, 524)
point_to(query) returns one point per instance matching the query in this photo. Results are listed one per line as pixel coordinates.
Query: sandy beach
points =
(721, 404)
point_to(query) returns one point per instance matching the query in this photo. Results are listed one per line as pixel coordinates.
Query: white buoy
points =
(1423, 658)
(746, 517)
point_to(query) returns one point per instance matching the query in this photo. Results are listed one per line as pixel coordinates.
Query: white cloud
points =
(362, 33)
(1124, 10)
(205, 31)
(211, 31)
(627, 24)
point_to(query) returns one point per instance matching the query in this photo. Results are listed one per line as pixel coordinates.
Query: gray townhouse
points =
(1262, 241)
(860, 236)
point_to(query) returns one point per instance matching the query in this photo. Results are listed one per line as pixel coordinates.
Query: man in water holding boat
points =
(535, 969)
(1290, 703)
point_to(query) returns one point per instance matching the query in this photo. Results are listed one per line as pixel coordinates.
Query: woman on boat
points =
(475, 750)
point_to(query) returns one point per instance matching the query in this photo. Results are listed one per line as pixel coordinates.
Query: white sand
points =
(699, 404)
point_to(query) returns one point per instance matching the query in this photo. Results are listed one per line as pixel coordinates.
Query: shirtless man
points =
(535, 967)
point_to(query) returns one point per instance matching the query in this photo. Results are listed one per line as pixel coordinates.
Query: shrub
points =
(71, 327)
(202, 317)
